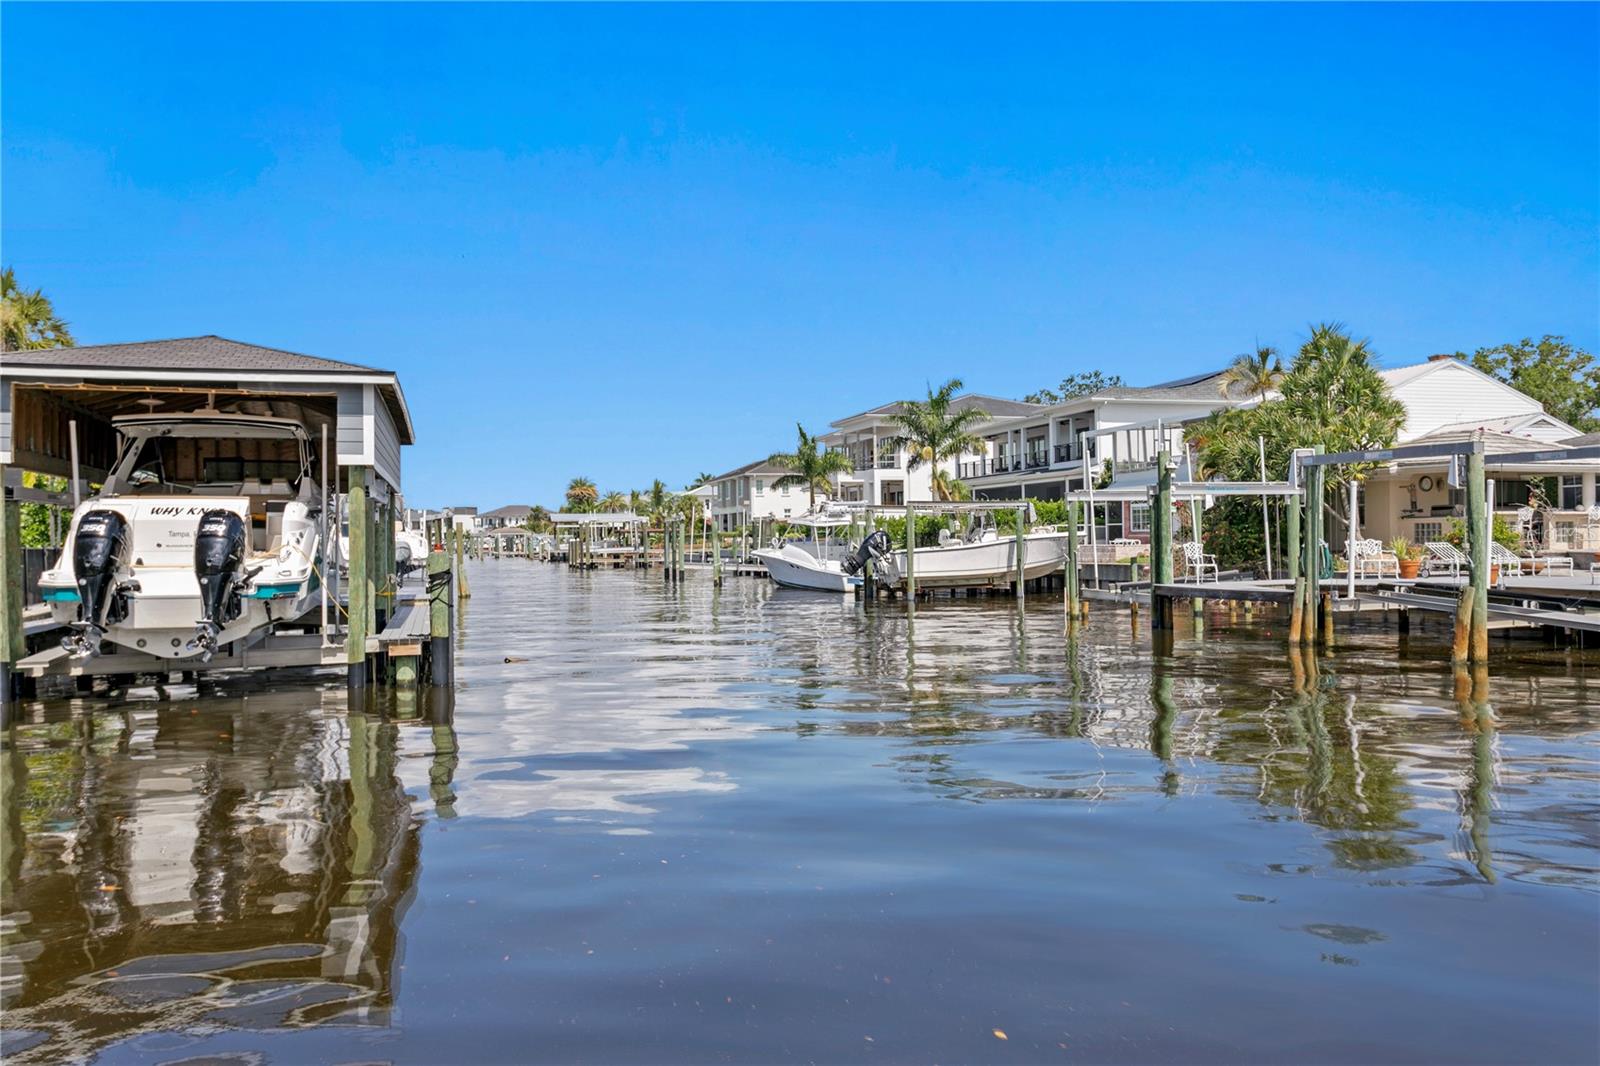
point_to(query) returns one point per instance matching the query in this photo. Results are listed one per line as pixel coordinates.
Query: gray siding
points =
(5, 421)
(385, 441)
(351, 448)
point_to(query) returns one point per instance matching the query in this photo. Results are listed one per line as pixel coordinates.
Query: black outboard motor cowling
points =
(218, 564)
(99, 551)
(875, 545)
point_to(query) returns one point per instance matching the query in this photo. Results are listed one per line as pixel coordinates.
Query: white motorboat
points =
(207, 530)
(792, 566)
(987, 559)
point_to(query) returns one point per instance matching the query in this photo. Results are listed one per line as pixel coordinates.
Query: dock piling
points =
(911, 554)
(1021, 554)
(355, 640)
(1160, 543)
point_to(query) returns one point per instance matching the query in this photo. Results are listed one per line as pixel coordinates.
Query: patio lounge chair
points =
(1507, 560)
(1196, 562)
(1446, 554)
(1372, 558)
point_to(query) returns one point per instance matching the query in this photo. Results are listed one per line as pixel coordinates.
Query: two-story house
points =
(883, 474)
(747, 493)
(514, 514)
(1051, 451)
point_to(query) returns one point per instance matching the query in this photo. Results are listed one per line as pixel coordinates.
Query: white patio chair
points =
(1507, 560)
(1196, 562)
(1370, 555)
(1447, 554)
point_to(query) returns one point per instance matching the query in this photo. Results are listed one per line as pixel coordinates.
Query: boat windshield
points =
(253, 466)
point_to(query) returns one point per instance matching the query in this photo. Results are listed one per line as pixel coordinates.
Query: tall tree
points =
(1252, 373)
(1084, 383)
(613, 502)
(1561, 376)
(538, 519)
(1331, 395)
(812, 467)
(581, 494)
(934, 430)
(28, 321)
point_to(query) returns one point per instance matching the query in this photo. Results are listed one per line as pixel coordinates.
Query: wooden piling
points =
(1478, 539)
(356, 611)
(13, 646)
(1069, 579)
(441, 583)
(1160, 543)
(1021, 554)
(1292, 554)
(1461, 645)
(462, 591)
(911, 553)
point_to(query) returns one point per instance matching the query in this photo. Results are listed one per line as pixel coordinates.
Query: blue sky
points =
(637, 242)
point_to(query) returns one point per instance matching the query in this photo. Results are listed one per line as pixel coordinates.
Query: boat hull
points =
(990, 563)
(164, 603)
(796, 569)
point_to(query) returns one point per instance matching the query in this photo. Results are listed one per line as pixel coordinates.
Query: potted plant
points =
(1410, 557)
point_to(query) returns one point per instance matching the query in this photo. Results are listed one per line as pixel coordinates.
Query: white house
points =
(747, 493)
(1050, 451)
(1448, 401)
(883, 474)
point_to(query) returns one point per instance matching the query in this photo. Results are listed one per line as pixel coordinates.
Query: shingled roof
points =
(185, 353)
(994, 406)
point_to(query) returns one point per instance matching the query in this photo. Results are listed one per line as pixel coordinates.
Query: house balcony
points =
(1068, 453)
(882, 462)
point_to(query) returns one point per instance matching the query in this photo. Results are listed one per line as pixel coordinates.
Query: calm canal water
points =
(755, 825)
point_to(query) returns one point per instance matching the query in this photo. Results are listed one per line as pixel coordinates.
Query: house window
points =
(786, 512)
(1423, 532)
(1107, 521)
(760, 486)
(1139, 518)
(786, 492)
(1509, 494)
(1571, 492)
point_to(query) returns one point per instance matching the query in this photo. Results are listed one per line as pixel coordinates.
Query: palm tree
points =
(1255, 374)
(613, 503)
(934, 432)
(658, 500)
(581, 494)
(28, 321)
(812, 467)
(701, 479)
(538, 519)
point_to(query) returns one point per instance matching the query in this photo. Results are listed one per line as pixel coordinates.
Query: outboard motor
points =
(874, 545)
(99, 551)
(218, 560)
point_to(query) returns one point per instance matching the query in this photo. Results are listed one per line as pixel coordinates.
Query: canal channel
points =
(679, 823)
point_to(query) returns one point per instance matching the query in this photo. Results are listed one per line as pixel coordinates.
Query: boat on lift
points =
(795, 567)
(208, 529)
(978, 558)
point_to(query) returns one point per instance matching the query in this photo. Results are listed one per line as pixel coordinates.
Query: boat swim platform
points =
(405, 632)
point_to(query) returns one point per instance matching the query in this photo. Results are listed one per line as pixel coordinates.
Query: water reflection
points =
(186, 863)
(651, 800)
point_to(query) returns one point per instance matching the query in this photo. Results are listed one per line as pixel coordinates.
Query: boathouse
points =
(57, 411)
